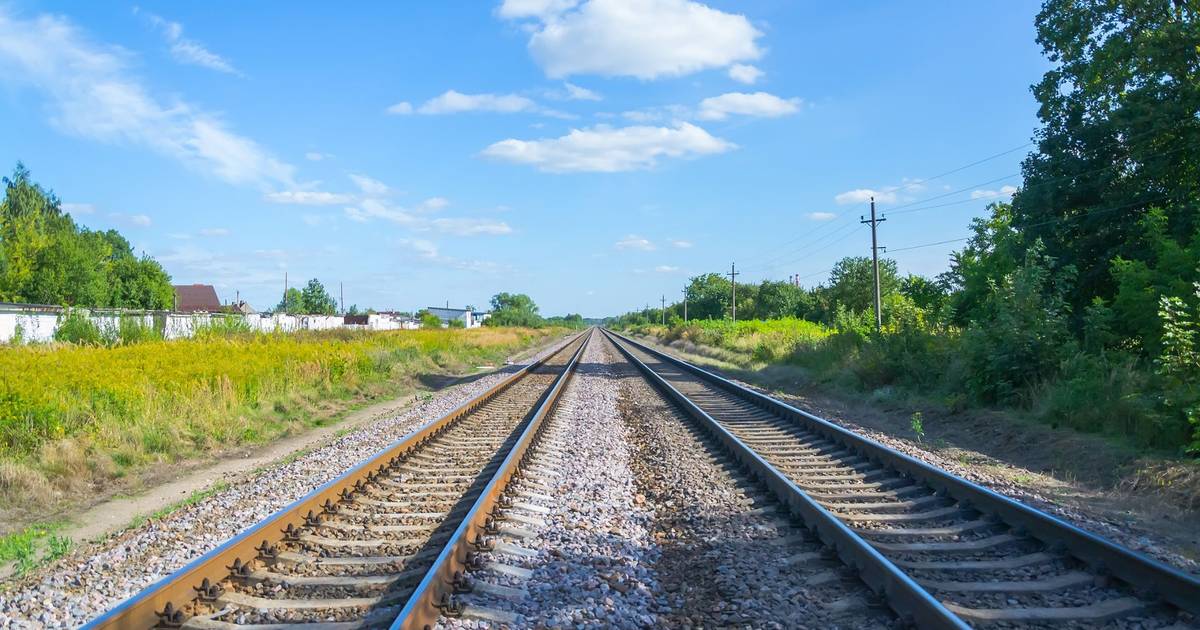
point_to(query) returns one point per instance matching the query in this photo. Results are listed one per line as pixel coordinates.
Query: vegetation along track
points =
(942, 551)
(379, 546)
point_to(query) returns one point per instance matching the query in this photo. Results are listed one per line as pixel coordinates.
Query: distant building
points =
(241, 308)
(467, 317)
(196, 298)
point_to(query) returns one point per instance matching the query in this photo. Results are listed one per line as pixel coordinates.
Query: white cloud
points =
(214, 232)
(428, 251)
(76, 209)
(470, 227)
(863, 195)
(316, 156)
(605, 149)
(189, 51)
(1005, 191)
(455, 102)
(308, 198)
(759, 104)
(91, 94)
(423, 248)
(400, 109)
(681, 244)
(137, 220)
(514, 9)
(744, 73)
(822, 216)
(634, 241)
(435, 203)
(576, 93)
(370, 186)
(647, 39)
(666, 269)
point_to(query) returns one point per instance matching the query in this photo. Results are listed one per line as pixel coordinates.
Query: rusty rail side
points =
(436, 590)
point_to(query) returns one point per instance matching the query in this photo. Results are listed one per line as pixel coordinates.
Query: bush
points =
(76, 326)
(132, 329)
(1021, 335)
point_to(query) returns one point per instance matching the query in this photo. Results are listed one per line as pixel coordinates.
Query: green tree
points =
(852, 282)
(781, 299)
(46, 258)
(429, 320)
(708, 297)
(292, 302)
(514, 309)
(928, 295)
(1120, 114)
(316, 300)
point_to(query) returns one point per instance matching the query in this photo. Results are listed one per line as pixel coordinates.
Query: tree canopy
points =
(46, 258)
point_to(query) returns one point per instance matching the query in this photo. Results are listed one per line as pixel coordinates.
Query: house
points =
(196, 298)
(466, 316)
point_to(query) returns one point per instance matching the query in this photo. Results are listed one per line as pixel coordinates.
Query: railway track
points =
(384, 544)
(942, 551)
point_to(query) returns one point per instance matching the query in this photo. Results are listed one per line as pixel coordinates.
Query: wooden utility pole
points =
(342, 296)
(875, 260)
(733, 274)
(663, 310)
(685, 299)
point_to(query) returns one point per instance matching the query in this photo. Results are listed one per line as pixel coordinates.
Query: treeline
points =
(518, 309)
(45, 258)
(1080, 299)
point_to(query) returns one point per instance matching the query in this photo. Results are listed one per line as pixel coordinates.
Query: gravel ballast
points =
(92, 579)
(645, 524)
(594, 557)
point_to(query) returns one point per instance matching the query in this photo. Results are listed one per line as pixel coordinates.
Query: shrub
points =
(76, 326)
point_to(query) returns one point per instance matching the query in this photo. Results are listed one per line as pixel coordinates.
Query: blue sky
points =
(591, 153)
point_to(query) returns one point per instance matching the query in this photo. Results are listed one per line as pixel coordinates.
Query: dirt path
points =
(1085, 479)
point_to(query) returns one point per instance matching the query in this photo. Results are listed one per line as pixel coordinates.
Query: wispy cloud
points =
(666, 269)
(864, 195)
(576, 93)
(135, 220)
(1005, 191)
(215, 232)
(758, 104)
(604, 149)
(90, 93)
(743, 73)
(680, 243)
(308, 198)
(188, 51)
(76, 209)
(634, 241)
(822, 216)
(455, 102)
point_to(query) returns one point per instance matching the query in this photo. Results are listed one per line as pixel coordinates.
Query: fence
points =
(37, 323)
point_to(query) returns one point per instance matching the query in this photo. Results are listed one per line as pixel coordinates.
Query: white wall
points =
(37, 324)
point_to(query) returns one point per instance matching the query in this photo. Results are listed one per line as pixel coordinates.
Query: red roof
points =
(190, 298)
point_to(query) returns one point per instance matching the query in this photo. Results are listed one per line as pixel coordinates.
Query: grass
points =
(21, 548)
(74, 418)
(192, 499)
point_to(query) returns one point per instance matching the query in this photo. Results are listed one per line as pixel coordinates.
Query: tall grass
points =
(72, 415)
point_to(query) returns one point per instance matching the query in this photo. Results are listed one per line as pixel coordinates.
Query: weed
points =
(916, 423)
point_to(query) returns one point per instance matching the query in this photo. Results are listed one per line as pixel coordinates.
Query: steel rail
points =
(1150, 578)
(435, 593)
(142, 610)
(911, 603)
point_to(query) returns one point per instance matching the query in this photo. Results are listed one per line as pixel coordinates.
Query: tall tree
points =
(316, 300)
(46, 258)
(852, 282)
(1120, 134)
